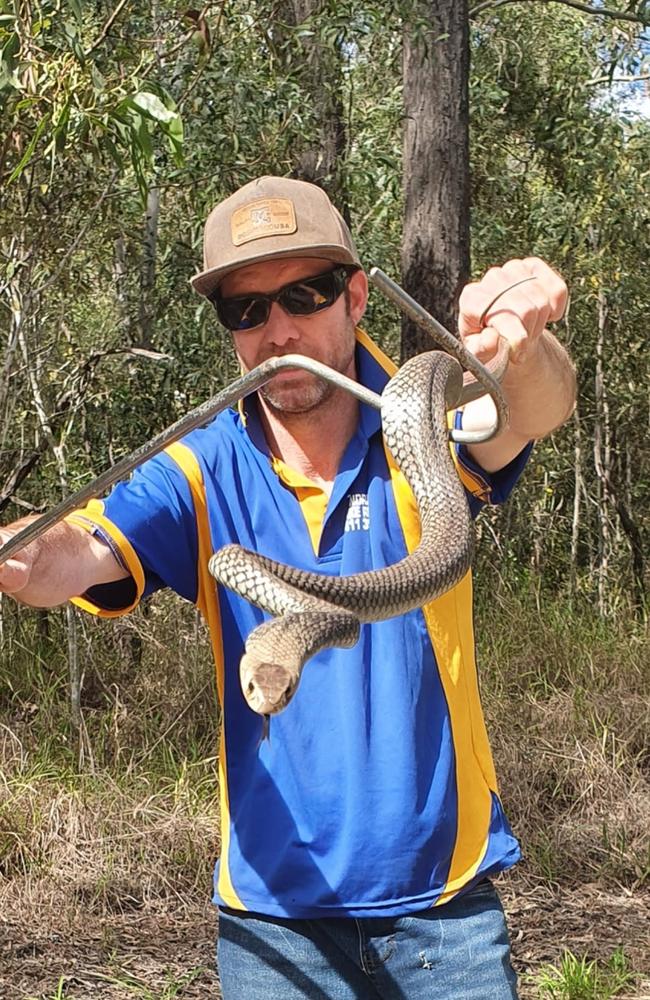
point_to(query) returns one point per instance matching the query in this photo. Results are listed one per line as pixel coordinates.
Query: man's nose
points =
(280, 327)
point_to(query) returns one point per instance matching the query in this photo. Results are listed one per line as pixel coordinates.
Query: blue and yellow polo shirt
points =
(376, 793)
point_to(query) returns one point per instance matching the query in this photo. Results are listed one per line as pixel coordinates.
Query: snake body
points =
(313, 611)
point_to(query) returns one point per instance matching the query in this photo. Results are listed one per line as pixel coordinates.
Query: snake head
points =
(267, 687)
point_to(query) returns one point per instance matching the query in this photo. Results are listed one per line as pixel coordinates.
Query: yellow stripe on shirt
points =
(90, 518)
(312, 499)
(209, 606)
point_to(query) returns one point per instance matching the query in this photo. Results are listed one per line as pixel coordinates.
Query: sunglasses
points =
(299, 298)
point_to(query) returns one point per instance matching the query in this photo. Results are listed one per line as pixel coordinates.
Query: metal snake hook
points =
(197, 417)
(478, 380)
(486, 380)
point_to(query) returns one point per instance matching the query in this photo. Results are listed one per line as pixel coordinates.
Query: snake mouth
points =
(267, 687)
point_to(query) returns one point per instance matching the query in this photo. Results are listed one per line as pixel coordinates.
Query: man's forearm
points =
(517, 302)
(541, 390)
(541, 393)
(62, 563)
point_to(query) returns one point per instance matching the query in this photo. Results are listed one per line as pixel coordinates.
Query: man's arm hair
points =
(541, 394)
(63, 563)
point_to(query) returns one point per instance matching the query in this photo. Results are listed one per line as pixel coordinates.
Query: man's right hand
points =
(15, 573)
(63, 562)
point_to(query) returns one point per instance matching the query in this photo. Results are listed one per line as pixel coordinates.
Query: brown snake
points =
(314, 612)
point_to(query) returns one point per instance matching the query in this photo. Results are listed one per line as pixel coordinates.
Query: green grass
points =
(59, 992)
(576, 978)
(173, 989)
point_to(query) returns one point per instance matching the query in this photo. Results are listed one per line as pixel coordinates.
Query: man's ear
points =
(358, 295)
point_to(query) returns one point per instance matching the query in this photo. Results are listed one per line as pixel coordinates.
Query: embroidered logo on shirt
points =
(358, 515)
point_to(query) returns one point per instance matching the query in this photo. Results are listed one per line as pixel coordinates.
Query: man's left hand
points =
(498, 306)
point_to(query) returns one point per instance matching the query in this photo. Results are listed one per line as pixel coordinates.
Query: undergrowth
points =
(566, 697)
(575, 978)
(123, 815)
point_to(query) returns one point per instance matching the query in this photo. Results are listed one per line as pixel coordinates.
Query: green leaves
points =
(8, 59)
(63, 97)
(29, 152)
(139, 118)
(76, 9)
(163, 112)
(150, 106)
(71, 31)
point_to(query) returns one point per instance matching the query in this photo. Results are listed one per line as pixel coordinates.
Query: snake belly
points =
(313, 611)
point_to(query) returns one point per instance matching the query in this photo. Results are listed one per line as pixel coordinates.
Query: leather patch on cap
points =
(265, 217)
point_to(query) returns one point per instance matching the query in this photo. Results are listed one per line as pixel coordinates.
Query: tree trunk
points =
(578, 492)
(148, 272)
(14, 300)
(602, 458)
(120, 286)
(321, 160)
(622, 500)
(435, 250)
(58, 450)
(147, 311)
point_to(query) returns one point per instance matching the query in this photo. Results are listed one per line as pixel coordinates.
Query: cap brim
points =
(208, 281)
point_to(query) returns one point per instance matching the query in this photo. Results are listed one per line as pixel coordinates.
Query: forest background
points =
(122, 124)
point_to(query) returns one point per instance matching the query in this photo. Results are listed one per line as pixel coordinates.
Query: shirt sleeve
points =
(149, 523)
(487, 487)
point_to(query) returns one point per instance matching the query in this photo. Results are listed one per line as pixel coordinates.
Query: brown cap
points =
(268, 218)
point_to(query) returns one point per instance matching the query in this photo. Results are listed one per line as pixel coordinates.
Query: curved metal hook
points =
(482, 379)
(195, 418)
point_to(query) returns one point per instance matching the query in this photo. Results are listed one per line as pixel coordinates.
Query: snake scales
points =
(315, 612)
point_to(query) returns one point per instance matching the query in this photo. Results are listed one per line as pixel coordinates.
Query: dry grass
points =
(567, 699)
(579, 796)
(98, 846)
(136, 826)
(131, 835)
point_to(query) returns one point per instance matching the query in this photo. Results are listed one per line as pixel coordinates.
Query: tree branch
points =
(20, 473)
(80, 235)
(619, 15)
(617, 79)
(107, 27)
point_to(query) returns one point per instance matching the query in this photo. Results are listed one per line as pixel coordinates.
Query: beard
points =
(299, 391)
(308, 393)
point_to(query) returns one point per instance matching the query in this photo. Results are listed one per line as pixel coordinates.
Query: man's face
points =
(326, 336)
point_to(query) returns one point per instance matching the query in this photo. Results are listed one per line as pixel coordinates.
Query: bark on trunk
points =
(435, 251)
(622, 498)
(578, 492)
(147, 311)
(56, 444)
(148, 274)
(120, 286)
(602, 458)
(321, 160)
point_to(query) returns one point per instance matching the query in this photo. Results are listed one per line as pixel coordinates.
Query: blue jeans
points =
(459, 951)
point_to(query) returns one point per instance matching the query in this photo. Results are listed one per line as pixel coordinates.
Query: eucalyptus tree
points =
(560, 170)
(435, 247)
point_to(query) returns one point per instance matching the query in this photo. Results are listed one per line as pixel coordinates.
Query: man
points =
(358, 841)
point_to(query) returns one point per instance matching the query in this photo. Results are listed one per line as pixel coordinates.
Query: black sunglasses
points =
(299, 298)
